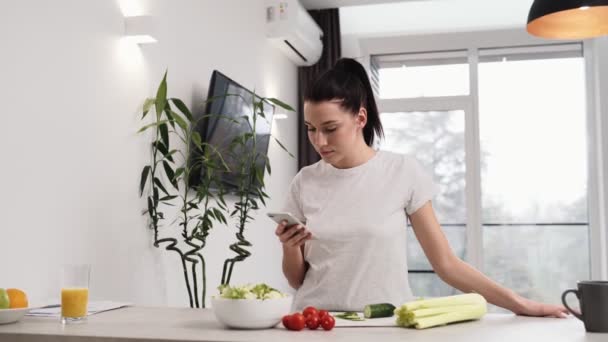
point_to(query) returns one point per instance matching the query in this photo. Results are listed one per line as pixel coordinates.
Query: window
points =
(534, 170)
(436, 138)
(523, 148)
(423, 75)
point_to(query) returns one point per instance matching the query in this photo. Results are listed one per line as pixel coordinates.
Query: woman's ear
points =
(361, 117)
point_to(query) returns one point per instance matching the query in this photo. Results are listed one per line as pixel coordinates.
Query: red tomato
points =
(310, 310)
(323, 313)
(286, 319)
(297, 322)
(328, 322)
(312, 322)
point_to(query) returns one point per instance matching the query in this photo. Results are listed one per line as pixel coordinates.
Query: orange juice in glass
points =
(75, 293)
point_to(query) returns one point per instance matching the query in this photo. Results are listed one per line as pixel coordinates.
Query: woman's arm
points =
(294, 266)
(293, 239)
(464, 277)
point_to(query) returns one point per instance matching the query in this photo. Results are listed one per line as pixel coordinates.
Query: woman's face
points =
(334, 132)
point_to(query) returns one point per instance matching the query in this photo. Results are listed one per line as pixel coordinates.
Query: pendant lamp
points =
(568, 19)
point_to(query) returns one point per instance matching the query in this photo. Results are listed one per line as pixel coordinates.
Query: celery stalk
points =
(439, 310)
(463, 299)
(428, 313)
(450, 317)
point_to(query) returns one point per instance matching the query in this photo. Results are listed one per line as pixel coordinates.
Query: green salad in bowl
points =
(250, 291)
(250, 306)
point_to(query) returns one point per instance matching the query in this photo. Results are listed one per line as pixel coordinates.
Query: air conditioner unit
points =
(293, 31)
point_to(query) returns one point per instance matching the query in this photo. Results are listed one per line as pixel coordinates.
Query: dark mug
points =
(593, 299)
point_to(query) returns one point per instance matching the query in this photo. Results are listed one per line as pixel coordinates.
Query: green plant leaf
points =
(225, 117)
(158, 145)
(221, 199)
(168, 198)
(172, 152)
(196, 138)
(163, 149)
(259, 174)
(147, 104)
(182, 108)
(164, 134)
(155, 124)
(159, 184)
(170, 118)
(283, 147)
(217, 212)
(144, 178)
(180, 121)
(280, 104)
(155, 196)
(150, 207)
(178, 172)
(223, 219)
(170, 174)
(161, 96)
(260, 194)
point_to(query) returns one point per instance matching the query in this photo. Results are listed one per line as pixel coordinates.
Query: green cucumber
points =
(378, 310)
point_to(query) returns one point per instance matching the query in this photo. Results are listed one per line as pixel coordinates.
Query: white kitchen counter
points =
(183, 324)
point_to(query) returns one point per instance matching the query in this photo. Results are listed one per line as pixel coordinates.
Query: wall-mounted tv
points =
(220, 132)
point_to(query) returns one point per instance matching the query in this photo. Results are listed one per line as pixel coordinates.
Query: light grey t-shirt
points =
(357, 217)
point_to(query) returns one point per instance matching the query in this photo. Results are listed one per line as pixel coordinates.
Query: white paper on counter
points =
(93, 308)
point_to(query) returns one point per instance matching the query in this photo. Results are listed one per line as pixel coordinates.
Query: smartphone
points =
(278, 217)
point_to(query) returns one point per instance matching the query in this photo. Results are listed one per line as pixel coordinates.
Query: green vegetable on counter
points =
(427, 313)
(249, 291)
(378, 310)
(350, 315)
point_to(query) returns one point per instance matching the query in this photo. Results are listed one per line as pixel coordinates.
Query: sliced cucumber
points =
(350, 315)
(378, 310)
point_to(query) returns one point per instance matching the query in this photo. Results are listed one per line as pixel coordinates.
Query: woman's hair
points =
(347, 81)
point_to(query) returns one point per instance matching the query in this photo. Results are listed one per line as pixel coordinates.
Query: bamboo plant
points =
(199, 207)
(249, 194)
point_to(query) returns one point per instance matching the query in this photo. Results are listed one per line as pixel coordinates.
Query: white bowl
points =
(12, 315)
(251, 313)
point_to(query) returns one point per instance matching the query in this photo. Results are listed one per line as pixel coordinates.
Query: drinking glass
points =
(75, 293)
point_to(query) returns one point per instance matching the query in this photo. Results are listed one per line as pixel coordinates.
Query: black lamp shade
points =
(568, 19)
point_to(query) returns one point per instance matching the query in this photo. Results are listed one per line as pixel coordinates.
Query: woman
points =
(355, 203)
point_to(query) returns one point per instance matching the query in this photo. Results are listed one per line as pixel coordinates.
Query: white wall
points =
(71, 93)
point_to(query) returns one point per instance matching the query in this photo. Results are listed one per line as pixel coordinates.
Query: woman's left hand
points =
(532, 308)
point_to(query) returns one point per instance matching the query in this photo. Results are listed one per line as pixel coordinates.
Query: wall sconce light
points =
(141, 29)
(568, 19)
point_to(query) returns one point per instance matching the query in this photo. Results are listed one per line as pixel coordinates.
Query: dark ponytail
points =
(348, 81)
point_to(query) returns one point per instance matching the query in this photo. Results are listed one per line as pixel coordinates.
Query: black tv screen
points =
(220, 132)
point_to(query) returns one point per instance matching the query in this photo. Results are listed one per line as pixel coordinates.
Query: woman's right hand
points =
(292, 236)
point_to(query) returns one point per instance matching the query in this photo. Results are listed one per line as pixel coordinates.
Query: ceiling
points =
(384, 17)
(320, 4)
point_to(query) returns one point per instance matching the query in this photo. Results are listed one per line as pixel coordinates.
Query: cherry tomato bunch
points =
(311, 317)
